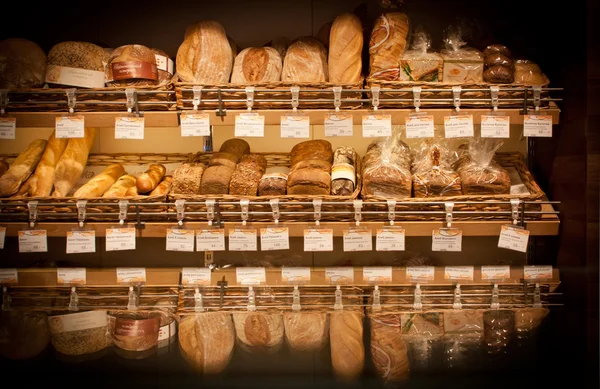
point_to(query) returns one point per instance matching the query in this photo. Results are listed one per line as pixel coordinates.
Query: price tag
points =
(446, 239)
(537, 273)
(295, 274)
(338, 124)
(513, 238)
(119, 239)
(318, 239)
(274, 238)
(390, 239)
(250, 275)
(377, 274)
(33, 241)
(420, 273)
(459, 273)
(127, 127)
(70, 126)
(490, 273)
(130, 275)
(195, 276)
(250, 125)
(180, 240)
(459, 126)
(81, 242)
(420, 126)
(71, 276)
(242, 239)
(9, 276)
(210, 239)
(339, 275)
(537, 125)
(358, 239)
(2, 237)
(376, 125)
(495, 126)
(195, 124)
(8, 127)
(295, 126)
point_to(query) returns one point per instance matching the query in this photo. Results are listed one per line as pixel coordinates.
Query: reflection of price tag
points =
(459, 126)
(249, 125)
(195, 124)
(180, 240)
(420, 126)
(295, 274)
(376, 125)
(513, 238)
(250, 275)
(127, 127)
(119, 239)
(338, 124)
(495, 126)
(71, 276)
(2, 237)
(537, 125)
(70, 126)
(195, 276)
(8, 127)
(446, 239)
(490, 273)
(274, 238)
(390, 239)
(81, 242)
(339, 275)
(420, 273)
(9, 276)
(459, 273)
(377, 274)
(358, 239)
(33, 241)
(242, 239)
(211, 239)
(130, 275)
(318, 239)
(295, 126)
(537, 273)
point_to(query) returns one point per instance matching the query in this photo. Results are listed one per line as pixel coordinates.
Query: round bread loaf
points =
(78, 64)
(23, 334)
(262, 332)
(497, 49)
(306, 331)
(499, 74)
(498, 60)
(257, 64)
(132, 65)
(22, 64)
(235, 146)
(305, 61)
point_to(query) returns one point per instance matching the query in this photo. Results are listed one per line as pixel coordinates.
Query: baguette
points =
(3, 167)
(72, 162)
(22, 167)
(148, 180)
(132, 192)
(163, 188)
(101, 183)
(40, 184)
(121, 187)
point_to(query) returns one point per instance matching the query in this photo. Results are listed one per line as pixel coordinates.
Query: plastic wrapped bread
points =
(345, 49)
(388, 349)
(305, 61)
(343, 171)
(529, 319)
(419, 65)
(499, 328)
(346, 341)
(433, 175)
(132, 65)
(421, 330)
(274, 181)
(257, 64)
(499, 64)
(529, 73)
(76, 64)
(388, 42)
(386, 170)
(462, 64)
(463, 332)
(479, 172)
(259, 331)
(306, 331)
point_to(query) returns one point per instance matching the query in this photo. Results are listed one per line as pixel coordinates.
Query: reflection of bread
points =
(347, 349)
(261, 332)
(306, 331)
(388, 349)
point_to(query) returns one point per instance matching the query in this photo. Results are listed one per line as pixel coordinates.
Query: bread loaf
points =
(72, 162)
(21, 168)
(529, 319)
(305, 61)
(223, 159)
(247, 175)
(164, 66)
(136, 332)
(274, 181)
(388, 42)
(163, 188)
(3, 167)
(148, 180)
(206, 341)
(133, 191)
(187, 178)
(311, 149)
(260, 332)
(280, 44)
(120, 188)
(205, 56)
(347, 349)
(236, 146)
(100, 183)
(22, 64)
(215, 180)
(40, 184)
(386, 170)
(310, 180)
(345, 49)
(324, 33)
(23, 334)
(257, 64)
(306, 331)
(131, 65)
(78, 64)
(343, 171)
(529, 73)
(388, 349)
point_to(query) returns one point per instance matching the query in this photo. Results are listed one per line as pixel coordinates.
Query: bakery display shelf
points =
(94, 119)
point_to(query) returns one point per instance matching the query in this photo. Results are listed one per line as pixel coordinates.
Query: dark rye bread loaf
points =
(215, 180)
(236, 146)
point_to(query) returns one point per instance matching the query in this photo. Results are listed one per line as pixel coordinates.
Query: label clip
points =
(198, 303)
(338, 305)
(337, 98)
(391, 211)
(251, 299)
(357, 211)
(180, 207)
(376, 299)
(3, 101)
(245, 205)
(74, 300)
(296, 299)
(375, 97)
(448, 207)
(197, 99)
(33, 212)
(456, 96)
(417, 98)
(71, 100)
(210, 211)
(123, 205)
(317, 206)
(295, 97)
(418, 302)
(457, 304)
(249, 97)
(81, 211)
(275, 208)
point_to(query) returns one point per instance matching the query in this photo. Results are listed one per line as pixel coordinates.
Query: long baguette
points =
(132, 192)
(71, 164)
(101, 183)
(148, 180)
(40, 184)
(163, 188)
(120, 188)
(22, 167)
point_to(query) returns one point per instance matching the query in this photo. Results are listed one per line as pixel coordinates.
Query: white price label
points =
(195, 276)
(2, 237)
(8, 127)
(446, 239)
(376, 125)
(129, 127)
(295, 274)
(495, 126)
(318, 239)
(537, 273)
(490, 273)
(537, 125)
(338, 124)
(295, 126)
(420, 273)
(390, 239)
(358, 239)
(339, 275)
(274, 238)
(211, 239)
(195, 124)
(250, 275)
(459, 126)
(119, 239)
(459, 273)
(70, 126)
(513, 238)
(377, 274)
(130, 275)
(9, 276)
(71, 276)
(420, 126)
(81, 242)
(242, 239)
(180, 240)
(250, 125)
(33, 241)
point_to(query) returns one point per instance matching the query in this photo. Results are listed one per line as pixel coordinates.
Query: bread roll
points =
(388, 41)
(345, 49)
(120, 188)
(388, 349)
(131, 65)
(306, 331)
(72, 162)
(100, 183)
(148, 180)
(21, 168)
(347, 349)
(205, 56)
(256, 64)
(258, 331)
(164, 65)
(22, 64)
(40, 184)
(163, 188)
(305, 61)
(78, 64)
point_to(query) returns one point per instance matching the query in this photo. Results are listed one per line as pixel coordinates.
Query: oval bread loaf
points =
(345, 49)
(262, 332)
(148, 180)
(347, 348)
(257, 64)
(305, 61)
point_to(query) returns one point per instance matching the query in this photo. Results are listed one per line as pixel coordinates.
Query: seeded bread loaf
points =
(274, 181)
(77, 64)
(247, 175)
(131, 65)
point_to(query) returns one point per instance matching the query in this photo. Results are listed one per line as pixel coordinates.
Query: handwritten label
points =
(81, 242)
(8, 128)
(358, 239)
(250, 125)
(420, 273)
(339, 275)
(537, 272)
(318, 239)
(420, 126)
(513, 238)
(274, 238)
(70, 126)
(390, 239)
(242, 239)
(210, 239)
(376, 125)
(127, 127)
(120, 239)
(377, 274)
(2, 237)
(459, 273)
(33, 241)
(459, 126)
(295, 126)
(195, 124)
(295, 274)
(446, 239)
(489, 273)
(495, 126)
(195, 276)
(131, 275)
(537, 125)
(9, 276)
(250, 275)
(180, 240)
(338, 124)
(71, 276)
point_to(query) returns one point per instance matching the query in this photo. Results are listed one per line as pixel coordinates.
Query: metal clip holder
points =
(133, 301)
(180, 207)
(514, 205)
(338, 305)
(73, 300)
(131, 97)
(494, 90)
(6, 300)
(317, 206)
(495, 297)
(457, 304)
(123, 206)
(275, 208)
(251, 299)
(537, 297)
(296, 299)
(376, 299)
(71, 100)
(417, 98)
(456, 96)
(448, 207)
(197, 99)
(81, 211)
(295, 90)
(337, 98)
(391, 211)
(537, 97)
(357, 211)
(210, 211)
(33, 212)
(249, 98)
(3, 101)
(198, 302)
(375, 100)
(245, 205)
(418, 298)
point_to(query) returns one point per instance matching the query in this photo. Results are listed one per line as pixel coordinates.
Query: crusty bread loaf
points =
(388, 42)
(150, 179)
(306, 331)
(258, 331)
(305, 61)
(41, 182)
(280, 44)
(345, 49)
(309, 182)
(22, 64)
(388, 349)
(346, 339)
(3, 167)
(236, 146)
(215, 180)
(131, 65)
(163, 188)
(205, 56)
(72, 162)
(187, 178)
(23, 334)
(257, 64)
(21, 168)
(274, 181)
(78, 64)
(311, 149)
(100, 183)
(247, 175)
(120, 188)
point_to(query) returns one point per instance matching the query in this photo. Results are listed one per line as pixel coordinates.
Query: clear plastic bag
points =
(463, 332)
(389, 351)
(529, 73)
(499, 329)
(433, 174)
(386, 169)
(421, 331)
(527, 320)
(418, 64)
(479, 172)
(80, 333)
(462, 64)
